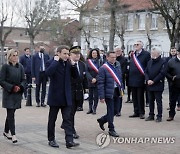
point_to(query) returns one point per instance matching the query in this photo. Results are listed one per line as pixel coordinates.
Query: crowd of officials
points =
(104, 76)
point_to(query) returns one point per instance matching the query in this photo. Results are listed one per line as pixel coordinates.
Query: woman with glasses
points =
(12, 80)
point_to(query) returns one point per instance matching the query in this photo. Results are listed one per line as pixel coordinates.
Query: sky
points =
(65, 11)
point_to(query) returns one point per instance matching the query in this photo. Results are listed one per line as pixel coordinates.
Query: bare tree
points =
(81, 6)
(120, 28)
(36, 14)
(169, 9)
(6, 19)
(113, 8)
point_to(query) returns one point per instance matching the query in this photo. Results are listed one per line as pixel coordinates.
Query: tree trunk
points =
(2, 54)
(112, 30)
(31, 44)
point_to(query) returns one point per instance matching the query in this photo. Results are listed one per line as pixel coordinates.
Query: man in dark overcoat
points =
(137, 66)
(154, 77)
(60, 70)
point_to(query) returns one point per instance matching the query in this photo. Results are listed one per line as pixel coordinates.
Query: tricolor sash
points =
(114, 77)
(137, 63)
(93, 66)
(112, 74)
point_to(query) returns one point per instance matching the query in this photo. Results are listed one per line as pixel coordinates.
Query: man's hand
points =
(56, 58)
(150, 82)
(93, 80)
(16, 89)
(102, 100)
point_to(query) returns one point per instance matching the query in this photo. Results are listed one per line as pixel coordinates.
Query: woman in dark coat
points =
(12, 80)
(93, 64)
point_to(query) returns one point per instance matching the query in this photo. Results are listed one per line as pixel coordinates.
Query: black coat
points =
(80, 83)
(156, 71)
(123, 61)
(60, 82)
(26, 62)
(173, 69)
(136, 79)
(90, 73)
(11, 76)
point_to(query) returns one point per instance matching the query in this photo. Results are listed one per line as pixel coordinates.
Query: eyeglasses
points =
(136, 44)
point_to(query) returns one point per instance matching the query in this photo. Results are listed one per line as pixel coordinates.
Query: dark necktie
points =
(41, 62)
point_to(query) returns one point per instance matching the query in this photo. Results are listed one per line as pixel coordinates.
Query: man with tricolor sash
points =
(138, 63)
(110, 90)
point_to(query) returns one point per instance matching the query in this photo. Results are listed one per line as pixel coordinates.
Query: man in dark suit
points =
(173, 75)
(154, 77)
(138, 63)
(25, 60)
(123, 62)
(60, 70)
(109, 90)
(77, 84)
(39, 60)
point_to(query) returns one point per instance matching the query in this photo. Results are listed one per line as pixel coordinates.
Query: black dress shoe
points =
(134, 116)
(7, 135)
(75, 136)
(71, 144)
(170, 119)
(89, 112)
(158, 119)
(43, 105)
(53, 144)
(94, 112)
(101, 124)
(150, 118)
(118, 114)
(113, 133)
(142, 116)
(38, 105)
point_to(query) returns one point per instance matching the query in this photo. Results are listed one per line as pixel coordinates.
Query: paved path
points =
(31, 126)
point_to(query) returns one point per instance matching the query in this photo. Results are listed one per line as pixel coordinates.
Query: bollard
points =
(29, 97)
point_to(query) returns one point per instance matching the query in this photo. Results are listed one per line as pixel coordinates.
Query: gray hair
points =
(157, 49)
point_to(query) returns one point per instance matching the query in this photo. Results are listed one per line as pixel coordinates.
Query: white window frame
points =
(141, 21)
(129, 22)
(105, 25)
(154, 22)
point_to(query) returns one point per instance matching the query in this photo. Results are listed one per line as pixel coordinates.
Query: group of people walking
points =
(105, 76)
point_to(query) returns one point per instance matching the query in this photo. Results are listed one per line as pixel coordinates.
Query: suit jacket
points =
(26, 62)
(80, 83)
(36, 64)
(136, 79)
(60, 82)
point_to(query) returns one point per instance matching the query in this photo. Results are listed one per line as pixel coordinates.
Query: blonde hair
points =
(10, 53)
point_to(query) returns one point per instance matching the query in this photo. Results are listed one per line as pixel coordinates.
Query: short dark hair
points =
(61, 47)
(108, 53)
(26, 49)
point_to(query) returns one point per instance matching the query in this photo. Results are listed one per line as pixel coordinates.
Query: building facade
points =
(134, 21)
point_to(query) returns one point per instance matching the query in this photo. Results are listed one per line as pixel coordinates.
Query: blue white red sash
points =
(137, 63)
(112, 74)
(92, 65)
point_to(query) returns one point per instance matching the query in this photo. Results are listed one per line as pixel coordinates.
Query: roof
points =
(131, 5)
